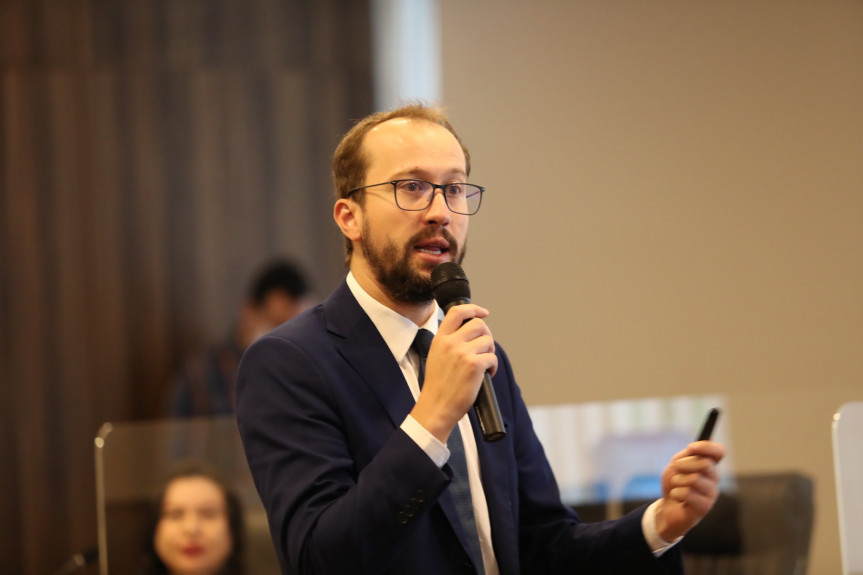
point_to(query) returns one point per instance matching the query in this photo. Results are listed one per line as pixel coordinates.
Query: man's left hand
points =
(690, 486)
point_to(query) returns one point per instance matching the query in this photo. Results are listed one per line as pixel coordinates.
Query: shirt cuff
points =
(651, 534)
(437, 451)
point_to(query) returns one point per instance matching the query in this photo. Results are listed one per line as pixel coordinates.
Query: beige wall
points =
(675, 206)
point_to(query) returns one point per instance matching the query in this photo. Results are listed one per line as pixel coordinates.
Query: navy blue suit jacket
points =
(319, 405)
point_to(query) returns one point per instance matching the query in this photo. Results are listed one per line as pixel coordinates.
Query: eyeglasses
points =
(417, 195)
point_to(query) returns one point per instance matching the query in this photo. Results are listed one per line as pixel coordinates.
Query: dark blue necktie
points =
(460, 487)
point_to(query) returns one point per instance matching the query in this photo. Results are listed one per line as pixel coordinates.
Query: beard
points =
(393, 270)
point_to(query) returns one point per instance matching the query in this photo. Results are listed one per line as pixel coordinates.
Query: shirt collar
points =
(397, 330)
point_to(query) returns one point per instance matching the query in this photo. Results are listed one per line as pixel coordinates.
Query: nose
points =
(191, 523)
(438, 212)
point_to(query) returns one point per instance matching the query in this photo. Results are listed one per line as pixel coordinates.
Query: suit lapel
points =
(359, 342)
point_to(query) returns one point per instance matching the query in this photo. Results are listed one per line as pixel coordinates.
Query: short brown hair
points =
(350, 162)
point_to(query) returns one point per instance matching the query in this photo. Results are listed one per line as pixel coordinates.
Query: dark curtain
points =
(153, 153)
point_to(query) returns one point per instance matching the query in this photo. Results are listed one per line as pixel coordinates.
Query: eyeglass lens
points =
(418, 194)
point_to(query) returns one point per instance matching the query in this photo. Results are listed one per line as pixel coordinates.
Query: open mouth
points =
(433, 248)
(432, 251)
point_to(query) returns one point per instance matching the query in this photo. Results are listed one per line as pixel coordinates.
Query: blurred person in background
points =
(204, 384)
(195, 526)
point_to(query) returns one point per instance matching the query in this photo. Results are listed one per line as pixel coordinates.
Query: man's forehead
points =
(401, 126)
(413, 148)
(403, 134)
(400, 121)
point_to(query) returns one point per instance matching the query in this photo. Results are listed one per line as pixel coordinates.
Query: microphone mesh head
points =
(450, 285)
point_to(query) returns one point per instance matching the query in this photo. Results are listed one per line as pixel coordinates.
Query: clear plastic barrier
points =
(848, 463)
(608, 452)
(132, 462)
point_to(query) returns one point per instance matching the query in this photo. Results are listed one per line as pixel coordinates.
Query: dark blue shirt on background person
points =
(205, 382)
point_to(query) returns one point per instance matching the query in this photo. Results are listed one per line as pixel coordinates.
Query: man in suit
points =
(350, 446)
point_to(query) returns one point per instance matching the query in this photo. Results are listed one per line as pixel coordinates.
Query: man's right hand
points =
(461, 352)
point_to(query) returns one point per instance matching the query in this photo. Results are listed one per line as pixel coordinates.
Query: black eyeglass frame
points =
(435, 188)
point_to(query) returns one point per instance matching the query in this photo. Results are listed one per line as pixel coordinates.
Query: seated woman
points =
(196, 526)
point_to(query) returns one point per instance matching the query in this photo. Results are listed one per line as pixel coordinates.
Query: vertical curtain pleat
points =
(153, 154)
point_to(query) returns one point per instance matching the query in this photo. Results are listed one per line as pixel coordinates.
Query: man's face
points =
(400, 247)
(276, 308)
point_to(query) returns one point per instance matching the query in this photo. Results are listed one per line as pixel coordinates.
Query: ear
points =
(348, 216)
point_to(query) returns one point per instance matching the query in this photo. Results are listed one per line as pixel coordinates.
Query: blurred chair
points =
(848, 466)
(132, 462)
(762, 526)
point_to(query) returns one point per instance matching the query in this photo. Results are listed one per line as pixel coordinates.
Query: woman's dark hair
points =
(152, 564)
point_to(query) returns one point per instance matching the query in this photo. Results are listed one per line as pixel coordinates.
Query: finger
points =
(696, 482)
(689, 487)
(696, 504)
(474, 328)
(711, 449)
(680, 455)
(693, 464)
(480, 353)
(459, 314)
(490, 359)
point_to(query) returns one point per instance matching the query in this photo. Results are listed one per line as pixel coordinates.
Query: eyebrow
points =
(418, 174)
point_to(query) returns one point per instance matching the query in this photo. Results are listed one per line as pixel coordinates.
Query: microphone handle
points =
(485, 405)
(488, 411)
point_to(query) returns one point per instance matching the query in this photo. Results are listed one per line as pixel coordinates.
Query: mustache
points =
(429, 234)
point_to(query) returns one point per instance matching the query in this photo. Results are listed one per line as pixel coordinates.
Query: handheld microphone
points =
(450, 287)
